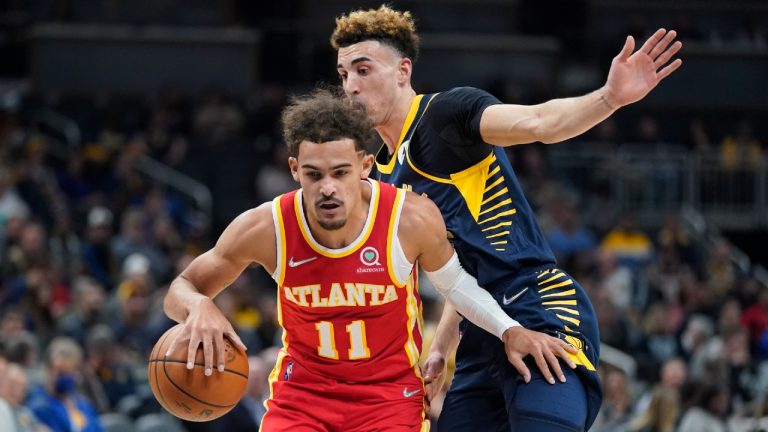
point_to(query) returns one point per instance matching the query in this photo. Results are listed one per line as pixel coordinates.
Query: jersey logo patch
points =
(408, 394)
(401, 151)
(292, 263)
(507, 301)
(370, 256)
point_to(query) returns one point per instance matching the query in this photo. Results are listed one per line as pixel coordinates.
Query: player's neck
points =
(346, 235)
(392, 128)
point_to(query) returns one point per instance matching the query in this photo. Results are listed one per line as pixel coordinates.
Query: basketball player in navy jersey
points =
(449, 146)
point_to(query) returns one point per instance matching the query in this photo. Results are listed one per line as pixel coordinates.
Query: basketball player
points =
(449, 146)
(342, 251)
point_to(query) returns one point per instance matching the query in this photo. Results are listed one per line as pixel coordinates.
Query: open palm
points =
(634, 74)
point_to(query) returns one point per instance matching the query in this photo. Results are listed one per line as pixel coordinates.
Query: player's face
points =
(330, 174)
(373, 73)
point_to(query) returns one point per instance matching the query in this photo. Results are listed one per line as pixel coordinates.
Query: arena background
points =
(131, 133)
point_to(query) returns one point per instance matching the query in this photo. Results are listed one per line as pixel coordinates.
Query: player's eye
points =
(363, 71)
(343, 76)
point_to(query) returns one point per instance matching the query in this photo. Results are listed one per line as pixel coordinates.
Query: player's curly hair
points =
(384, 24)
(326, 115)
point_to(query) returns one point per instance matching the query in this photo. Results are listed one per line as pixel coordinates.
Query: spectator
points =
(13, 389)
(710, 407)
(632, 247)
(661, 414)
(98, 259)
(7, 422)
(58, 403)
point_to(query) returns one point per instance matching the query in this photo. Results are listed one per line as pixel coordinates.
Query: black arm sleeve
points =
(449, 134)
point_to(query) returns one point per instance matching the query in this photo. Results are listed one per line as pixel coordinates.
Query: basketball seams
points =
(195, 398)
(157, 360)
(176, 393)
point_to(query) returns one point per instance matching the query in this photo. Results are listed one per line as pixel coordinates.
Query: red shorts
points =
(302, 401)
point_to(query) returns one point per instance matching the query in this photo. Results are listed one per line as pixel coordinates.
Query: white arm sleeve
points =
(475, 303)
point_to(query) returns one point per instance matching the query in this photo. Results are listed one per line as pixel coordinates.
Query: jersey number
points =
(358, 349)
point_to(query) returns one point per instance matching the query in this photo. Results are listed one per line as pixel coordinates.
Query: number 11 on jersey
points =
(358, 347)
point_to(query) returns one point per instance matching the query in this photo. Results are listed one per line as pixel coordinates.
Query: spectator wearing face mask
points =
(58, 403)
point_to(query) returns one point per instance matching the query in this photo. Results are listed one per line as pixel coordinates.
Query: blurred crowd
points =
(88, 246)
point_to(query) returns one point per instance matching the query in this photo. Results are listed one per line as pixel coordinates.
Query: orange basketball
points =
(189, 394)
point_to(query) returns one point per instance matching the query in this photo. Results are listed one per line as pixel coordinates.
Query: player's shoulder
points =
(420, 216)
(252, 224)
(462, 94)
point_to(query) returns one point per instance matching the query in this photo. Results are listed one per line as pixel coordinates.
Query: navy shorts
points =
(487, 392)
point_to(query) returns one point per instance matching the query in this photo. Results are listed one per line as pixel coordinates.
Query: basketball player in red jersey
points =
(342, 251)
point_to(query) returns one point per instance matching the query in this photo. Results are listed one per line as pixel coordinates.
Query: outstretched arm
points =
(423, 236)
(632, 76)
(190, 297)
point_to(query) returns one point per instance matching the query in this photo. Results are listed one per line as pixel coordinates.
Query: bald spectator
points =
(6, 415)
(13, 388)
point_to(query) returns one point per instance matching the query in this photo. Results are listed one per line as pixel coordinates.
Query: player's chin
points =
(332, 224)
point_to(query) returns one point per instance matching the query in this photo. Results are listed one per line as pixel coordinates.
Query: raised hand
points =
(545, 349)
(207, 325)
(634, 74)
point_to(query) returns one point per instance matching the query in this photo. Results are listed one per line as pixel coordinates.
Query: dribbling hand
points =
(207, 325)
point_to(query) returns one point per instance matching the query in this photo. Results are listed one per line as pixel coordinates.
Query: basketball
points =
(188, 393)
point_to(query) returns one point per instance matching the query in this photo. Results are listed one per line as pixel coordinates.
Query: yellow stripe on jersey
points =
(280, 238)
(412, 310)
(399, 198)
(498, 225)
(387, 169)
(349, 249)
(557, 285)
(564, 309)
(557, 276)
(274, 376)
(560, 294)
(425, 174)
(471, 183)
(560, 302)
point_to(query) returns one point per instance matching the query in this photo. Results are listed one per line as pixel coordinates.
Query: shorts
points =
(487, 392)
(302, 401)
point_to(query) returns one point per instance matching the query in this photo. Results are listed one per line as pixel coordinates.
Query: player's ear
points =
(404, 70)
(293, 163)
(367, 166)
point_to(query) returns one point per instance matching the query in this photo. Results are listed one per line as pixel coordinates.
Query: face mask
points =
(65, 384)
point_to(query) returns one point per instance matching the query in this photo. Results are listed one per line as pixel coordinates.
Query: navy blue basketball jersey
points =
(440, 153)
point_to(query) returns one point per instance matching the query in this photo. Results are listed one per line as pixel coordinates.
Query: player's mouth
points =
(329, 207)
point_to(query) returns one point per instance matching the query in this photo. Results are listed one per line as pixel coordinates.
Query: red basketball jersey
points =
(345, 313)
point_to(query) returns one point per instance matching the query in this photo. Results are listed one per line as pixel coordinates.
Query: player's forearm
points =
(475, 303)
(182, 297)
(562, 119)
(447, 334)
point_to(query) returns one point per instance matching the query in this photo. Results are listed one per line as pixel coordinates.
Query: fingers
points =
(626, 51)
(543, 367)
(669, 69)
(664, 57)
(554, 364)
(220, 355)
(208, 355)
(663, 44)
(652, 41)
(192, 352)
(236, 340)
(519, 364)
